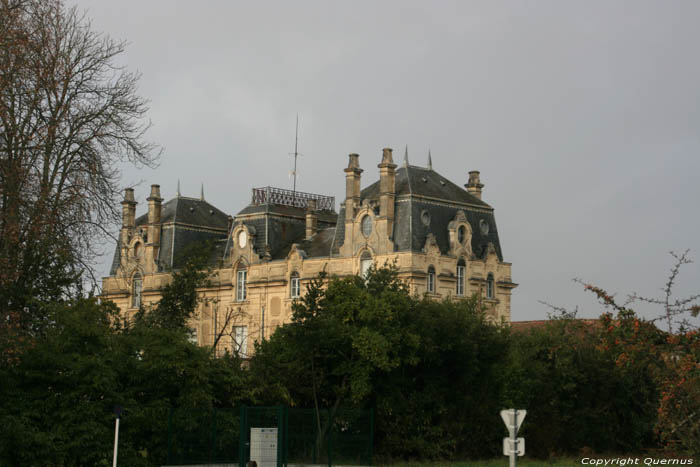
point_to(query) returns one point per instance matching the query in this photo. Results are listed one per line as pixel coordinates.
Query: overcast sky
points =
(583, 118)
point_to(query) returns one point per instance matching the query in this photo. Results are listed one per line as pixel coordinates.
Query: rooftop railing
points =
(298, 199)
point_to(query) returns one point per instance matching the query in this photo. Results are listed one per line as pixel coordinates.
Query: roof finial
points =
(405, 157)
(178, 188)
(430, 160)
(201, 193)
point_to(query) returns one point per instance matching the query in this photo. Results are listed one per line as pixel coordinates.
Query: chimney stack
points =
(311, 219)
(352, 186)
(474, 186)
(154, 227)
(128, 215)
(387, 188)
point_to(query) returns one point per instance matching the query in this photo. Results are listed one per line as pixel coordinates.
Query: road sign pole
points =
(116, 442)
(514, 435)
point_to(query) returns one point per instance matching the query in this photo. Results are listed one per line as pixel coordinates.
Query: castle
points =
(442, 238)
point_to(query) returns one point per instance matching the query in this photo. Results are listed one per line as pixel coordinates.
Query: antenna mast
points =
(296, 140)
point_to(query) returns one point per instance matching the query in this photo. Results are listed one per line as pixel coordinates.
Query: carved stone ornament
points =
(296, 253)
(431, 246)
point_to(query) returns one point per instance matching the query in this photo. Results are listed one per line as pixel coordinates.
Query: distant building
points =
(442, 238)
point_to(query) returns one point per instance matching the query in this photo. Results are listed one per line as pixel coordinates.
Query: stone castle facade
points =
(442, 238)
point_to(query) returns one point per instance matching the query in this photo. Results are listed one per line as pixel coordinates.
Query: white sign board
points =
(513, 419)
(509, 447)
(263, 446)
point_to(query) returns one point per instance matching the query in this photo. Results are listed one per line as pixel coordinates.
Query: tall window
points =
(365, 264)
(241, 279)
(240, 340)
(431, 279)
(136, 292)
(489, 286)
(193, 336)
(294, 285)
(460, 277)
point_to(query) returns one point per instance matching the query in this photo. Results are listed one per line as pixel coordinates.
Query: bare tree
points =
(675, 310)
(69, 115)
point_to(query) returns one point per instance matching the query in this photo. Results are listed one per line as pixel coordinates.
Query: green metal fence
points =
(270, 436)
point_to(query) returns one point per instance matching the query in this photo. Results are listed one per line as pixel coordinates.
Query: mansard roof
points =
(184, 221)
(421, 190)
(423, 182)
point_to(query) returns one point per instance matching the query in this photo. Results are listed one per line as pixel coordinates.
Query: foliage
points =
(365, 342)
(179, 298)
(69, 115)
(578, 391)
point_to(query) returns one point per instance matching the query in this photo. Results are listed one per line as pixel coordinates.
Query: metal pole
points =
(514, 437)
(116, 442)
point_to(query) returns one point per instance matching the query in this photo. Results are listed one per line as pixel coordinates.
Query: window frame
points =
(461, 273)
(241, 284)
(489, 286)
(294, 285)
(366, 262)
(431, 279)
(136, 291)
(242, 346)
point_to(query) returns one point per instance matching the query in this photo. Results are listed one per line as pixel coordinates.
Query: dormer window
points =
(294, 286)
(136, 291)
(461, 234)
(366, 225)
(137, 250)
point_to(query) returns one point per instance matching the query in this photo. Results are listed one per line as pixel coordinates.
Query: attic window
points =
(211, 211)
(425, 180)
(191, 209)
(442, 182)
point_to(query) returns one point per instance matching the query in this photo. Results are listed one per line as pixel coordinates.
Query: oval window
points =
(242, 239)
(366, 226)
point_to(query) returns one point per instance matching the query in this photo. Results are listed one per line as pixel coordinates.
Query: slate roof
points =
(184, 221)
(420, 190)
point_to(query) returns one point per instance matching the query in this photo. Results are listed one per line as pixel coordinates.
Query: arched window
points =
(489, 286)
(461, 270)
(294, 285)
(431, 279)
(136, 291)
(365, 263)
(241, 279)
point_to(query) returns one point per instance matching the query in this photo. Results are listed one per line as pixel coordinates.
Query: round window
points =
(461, 234)
(484, 227)
(366, 226)
(425, 218)
(242, 239)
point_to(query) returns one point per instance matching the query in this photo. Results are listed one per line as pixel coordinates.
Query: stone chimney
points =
(154, 225)
(387, 189)
(311, 219)
(352, 186)
(128, 215)
(474, 186)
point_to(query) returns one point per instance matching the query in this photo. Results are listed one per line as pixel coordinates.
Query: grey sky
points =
(583, 117)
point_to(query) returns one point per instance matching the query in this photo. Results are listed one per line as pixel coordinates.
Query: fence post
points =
(212, 440)
(371, 434)
(170, 435)
(242, 427)
(329, 433)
